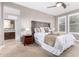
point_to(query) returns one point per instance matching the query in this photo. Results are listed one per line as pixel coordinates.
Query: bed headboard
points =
(38, 24)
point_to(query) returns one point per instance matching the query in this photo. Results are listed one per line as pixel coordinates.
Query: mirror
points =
(9, 24)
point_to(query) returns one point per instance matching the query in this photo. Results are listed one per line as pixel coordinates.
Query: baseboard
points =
(2, 46)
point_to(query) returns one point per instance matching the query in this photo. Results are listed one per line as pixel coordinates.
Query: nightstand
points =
(27, 39)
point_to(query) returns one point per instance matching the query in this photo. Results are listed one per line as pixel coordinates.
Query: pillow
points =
(37, 30)
(46, 29)
(42, 29)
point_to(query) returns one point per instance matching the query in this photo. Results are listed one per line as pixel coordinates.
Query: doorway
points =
(9, 29)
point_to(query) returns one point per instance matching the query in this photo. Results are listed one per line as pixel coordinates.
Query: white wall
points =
(29, 15)
(1, 26)
(18, 29)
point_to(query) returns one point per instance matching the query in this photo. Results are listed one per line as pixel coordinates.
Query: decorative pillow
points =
(46, 29)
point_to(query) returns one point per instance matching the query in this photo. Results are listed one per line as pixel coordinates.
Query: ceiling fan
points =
(59, 4)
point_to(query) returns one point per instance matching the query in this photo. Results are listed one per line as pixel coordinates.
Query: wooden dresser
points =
(27, 39)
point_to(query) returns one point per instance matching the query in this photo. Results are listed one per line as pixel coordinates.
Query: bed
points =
(54, 43)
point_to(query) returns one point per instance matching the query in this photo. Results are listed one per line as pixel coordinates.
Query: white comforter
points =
(62, 43)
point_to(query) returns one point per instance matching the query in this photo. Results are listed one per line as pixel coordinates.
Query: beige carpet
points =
(15, 49)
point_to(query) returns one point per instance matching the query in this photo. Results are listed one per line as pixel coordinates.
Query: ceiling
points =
(42, 6)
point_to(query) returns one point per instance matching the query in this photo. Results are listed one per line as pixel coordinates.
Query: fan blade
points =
(51, 6)
(64, 5)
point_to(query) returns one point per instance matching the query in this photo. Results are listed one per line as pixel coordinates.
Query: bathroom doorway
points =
(9, 29)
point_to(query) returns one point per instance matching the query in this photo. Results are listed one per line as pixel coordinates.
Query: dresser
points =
(27, 39)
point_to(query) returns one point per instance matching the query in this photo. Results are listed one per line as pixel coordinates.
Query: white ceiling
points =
(42, 6)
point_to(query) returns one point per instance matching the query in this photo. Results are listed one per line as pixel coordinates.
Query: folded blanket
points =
(50, 39)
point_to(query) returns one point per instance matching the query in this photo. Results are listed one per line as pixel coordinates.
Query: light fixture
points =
(59, 4)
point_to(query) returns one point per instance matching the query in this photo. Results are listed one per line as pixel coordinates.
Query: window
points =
(62, 24)
(74, 23)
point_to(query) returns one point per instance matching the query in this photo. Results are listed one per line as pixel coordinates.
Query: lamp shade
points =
(27, 29)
